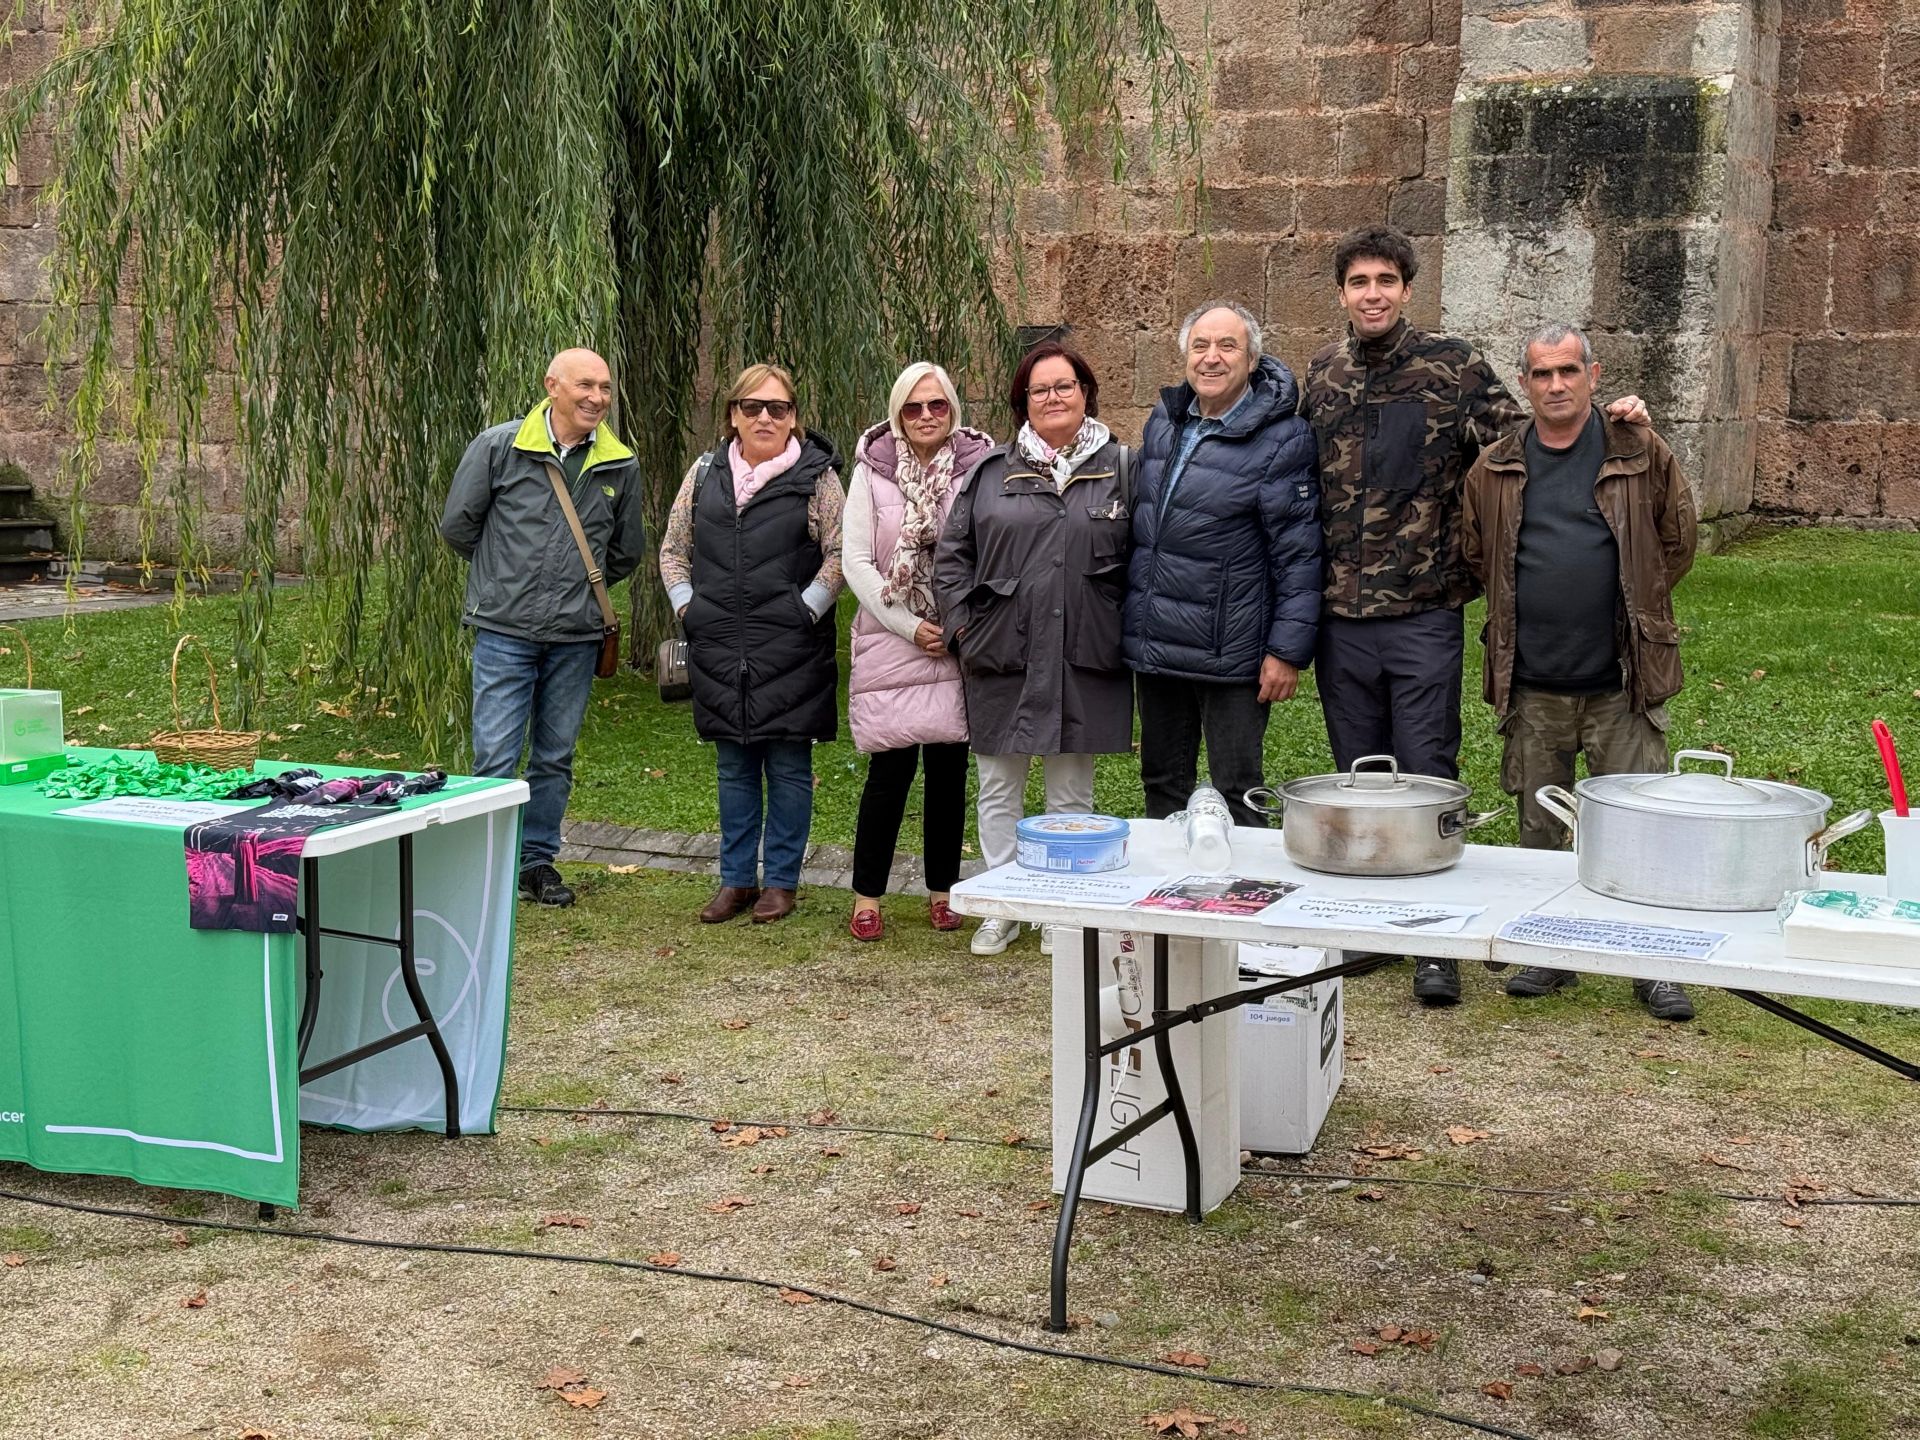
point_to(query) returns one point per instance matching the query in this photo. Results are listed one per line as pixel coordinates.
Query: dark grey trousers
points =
(1174, 715)
(1392, 687)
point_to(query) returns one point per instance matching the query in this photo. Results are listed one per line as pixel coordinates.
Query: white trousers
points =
(1003, 796)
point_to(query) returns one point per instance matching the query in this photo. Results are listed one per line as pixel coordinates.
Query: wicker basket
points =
(25, 649)
(221, 749)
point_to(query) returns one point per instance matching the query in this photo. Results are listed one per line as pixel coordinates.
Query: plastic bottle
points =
(1209, 832)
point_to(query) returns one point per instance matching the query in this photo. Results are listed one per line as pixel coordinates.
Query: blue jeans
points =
(787, 767)
(530, 694)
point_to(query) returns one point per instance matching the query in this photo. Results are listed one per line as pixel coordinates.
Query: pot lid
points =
(1375, 788)
(1695, 792)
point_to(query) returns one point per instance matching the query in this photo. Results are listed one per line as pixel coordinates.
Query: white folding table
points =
(1507, 881)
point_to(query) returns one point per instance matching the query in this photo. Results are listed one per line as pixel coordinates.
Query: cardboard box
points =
(1148, 1171)
(1291, 1056)
(33, 734)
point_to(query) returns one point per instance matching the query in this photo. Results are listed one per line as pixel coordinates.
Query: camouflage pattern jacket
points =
(1398, 420)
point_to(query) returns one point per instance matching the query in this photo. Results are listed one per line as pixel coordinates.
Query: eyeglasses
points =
(1062, 388)
(914, 409)
(776, 409)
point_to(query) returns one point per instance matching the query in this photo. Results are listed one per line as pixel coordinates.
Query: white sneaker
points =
(994, 936)
(1046, 939)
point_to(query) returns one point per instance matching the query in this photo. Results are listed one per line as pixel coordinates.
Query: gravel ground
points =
(1719, 1318)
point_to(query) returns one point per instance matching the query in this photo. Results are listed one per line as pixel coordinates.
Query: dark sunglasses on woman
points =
(778, 409)
(913, 409)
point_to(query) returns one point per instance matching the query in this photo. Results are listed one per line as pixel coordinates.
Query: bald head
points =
(581, 389)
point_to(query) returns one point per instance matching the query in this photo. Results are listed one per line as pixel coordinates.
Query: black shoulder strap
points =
(1124, 472)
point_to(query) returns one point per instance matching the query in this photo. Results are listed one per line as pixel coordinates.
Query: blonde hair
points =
(750, 380)
(909, 379)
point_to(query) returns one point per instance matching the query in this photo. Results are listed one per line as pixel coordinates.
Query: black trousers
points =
(883, 803)
(1392, 687)
(1174, 716)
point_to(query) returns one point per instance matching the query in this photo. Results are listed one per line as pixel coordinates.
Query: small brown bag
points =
(607, 664)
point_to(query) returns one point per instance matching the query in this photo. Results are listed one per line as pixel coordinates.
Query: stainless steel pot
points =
(1370, 821)
(1695, 841)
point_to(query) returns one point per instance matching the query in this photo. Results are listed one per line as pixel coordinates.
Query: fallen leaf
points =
(1793, 1222)
(196, 1301)
(797, 1297)
(1371, 1195)
(1608, 1360)
(1187, 1359)
(1529, 1369)
(796, 1382)
(656, 774)
(179, 1239)
(583, 1399)
(762, 1170)
(823, 1116)
(253, 1432)
(720, 1127)
(1741, 1140)
(1577, 1365)
(1390, 1152)
(1708, 1158)
(296, 727)
(562, 1219)
(886, 1263)
(1467, 1135)
(939, 1135)
(970, 1214)
(736, 1023)
(1180, 1419)
(832, 1152)
(559, 1377)
(1364, 1347)
(672, 1077)
(906, 1207)
(729, 1203)
(542, 1141)
(1498, 1389)
(666, 1259)
(1592, 1315)
(1439, 1069)
(1233, 1427)
(1012, 1137)
(747, 1135)
(14, 1260)
(940, 1281)
(624, 869)
(1389, 1333)
(339, 712)
(1759, 675)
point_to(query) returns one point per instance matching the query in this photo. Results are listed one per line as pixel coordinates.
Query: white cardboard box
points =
(1291, 1057)
(1147, 1171)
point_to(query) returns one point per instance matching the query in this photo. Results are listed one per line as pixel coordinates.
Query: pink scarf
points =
(748, 480)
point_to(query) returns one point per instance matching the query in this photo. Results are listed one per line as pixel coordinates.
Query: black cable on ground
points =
(1026, 1347)
(796, 1126)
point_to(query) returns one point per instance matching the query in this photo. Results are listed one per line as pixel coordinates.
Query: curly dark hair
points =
(1375, 242)
(1051, 350)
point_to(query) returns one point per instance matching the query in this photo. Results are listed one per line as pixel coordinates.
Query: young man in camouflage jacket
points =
(1398, 416)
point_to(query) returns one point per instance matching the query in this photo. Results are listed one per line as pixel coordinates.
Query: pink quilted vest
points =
(898, 694)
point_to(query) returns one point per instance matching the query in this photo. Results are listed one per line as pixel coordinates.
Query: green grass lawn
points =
(1792, 644)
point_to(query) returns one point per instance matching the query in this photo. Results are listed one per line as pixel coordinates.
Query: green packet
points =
(1853, 905)
(119, 775)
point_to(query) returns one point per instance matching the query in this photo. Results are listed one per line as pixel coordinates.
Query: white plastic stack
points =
(1148, 1171)
(1850, 928)
(1291, 1057)
(1209, 832)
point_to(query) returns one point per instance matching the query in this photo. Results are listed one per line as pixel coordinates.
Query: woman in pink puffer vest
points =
(905, 703)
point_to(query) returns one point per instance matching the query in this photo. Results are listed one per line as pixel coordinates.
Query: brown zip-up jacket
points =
(1646, 503)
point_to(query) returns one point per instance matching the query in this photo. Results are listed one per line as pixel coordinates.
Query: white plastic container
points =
(1903, 854)
(1291, 1056)
(1147, 1171)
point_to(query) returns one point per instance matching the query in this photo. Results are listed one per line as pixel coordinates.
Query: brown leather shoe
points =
(774, 904)
(729, 901)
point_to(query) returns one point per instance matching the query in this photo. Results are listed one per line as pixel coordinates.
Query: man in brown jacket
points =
(1577, 527)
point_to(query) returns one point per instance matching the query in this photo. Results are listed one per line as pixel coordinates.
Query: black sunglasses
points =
(778, 409)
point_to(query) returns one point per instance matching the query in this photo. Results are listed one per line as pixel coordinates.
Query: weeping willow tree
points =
(350, 234)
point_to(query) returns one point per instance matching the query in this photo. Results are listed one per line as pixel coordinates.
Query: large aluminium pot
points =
(1371, 821)
(1694, 841)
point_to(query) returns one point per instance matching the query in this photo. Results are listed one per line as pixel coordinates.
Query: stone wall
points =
(1839, 397)
(1728, 194)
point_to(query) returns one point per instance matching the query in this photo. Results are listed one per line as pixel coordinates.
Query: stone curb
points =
(597, 842)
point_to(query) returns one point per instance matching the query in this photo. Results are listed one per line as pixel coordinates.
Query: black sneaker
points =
(1664, 999)
(1436, 982)
(1537, 980)
(542, 884)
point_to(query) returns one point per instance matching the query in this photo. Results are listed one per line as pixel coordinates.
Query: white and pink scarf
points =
(1061, 463)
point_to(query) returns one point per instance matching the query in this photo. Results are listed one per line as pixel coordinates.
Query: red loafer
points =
(942, 915)
(866, 925)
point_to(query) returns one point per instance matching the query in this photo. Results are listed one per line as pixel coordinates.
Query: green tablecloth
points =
(134, 1045)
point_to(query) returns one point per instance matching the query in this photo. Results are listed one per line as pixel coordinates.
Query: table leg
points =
(1827, 1032)
(310, 1003)
(411, 980)
(1083, 1134)
(1170, 1078)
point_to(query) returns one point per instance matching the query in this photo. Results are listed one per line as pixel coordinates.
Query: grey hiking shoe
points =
(542, 885)
(1436, 982)
(1664, 999)
(1537, 980)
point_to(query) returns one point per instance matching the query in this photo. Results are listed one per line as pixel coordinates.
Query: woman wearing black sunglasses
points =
(751, 562)
(904, 704)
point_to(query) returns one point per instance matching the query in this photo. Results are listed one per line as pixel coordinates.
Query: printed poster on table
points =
(1114, 890)
(1327, 912)
(1613, 937)
(1216, 895)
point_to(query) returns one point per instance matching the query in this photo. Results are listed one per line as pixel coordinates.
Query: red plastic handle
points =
(1896, 783)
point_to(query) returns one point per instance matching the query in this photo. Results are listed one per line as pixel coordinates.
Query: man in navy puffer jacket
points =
(1223, 593)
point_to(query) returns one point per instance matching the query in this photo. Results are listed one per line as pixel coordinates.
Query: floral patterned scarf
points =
(1061, 464)
(909, 574)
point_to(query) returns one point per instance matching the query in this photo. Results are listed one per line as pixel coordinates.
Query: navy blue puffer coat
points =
(1228, 571)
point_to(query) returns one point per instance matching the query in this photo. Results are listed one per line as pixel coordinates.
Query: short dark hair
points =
(1375, 242)
(1051, 350)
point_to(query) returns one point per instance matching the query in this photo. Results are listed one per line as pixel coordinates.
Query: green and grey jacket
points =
(526, 578)
(1397, 421)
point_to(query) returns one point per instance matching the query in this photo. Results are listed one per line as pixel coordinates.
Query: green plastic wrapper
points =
(124, 775)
